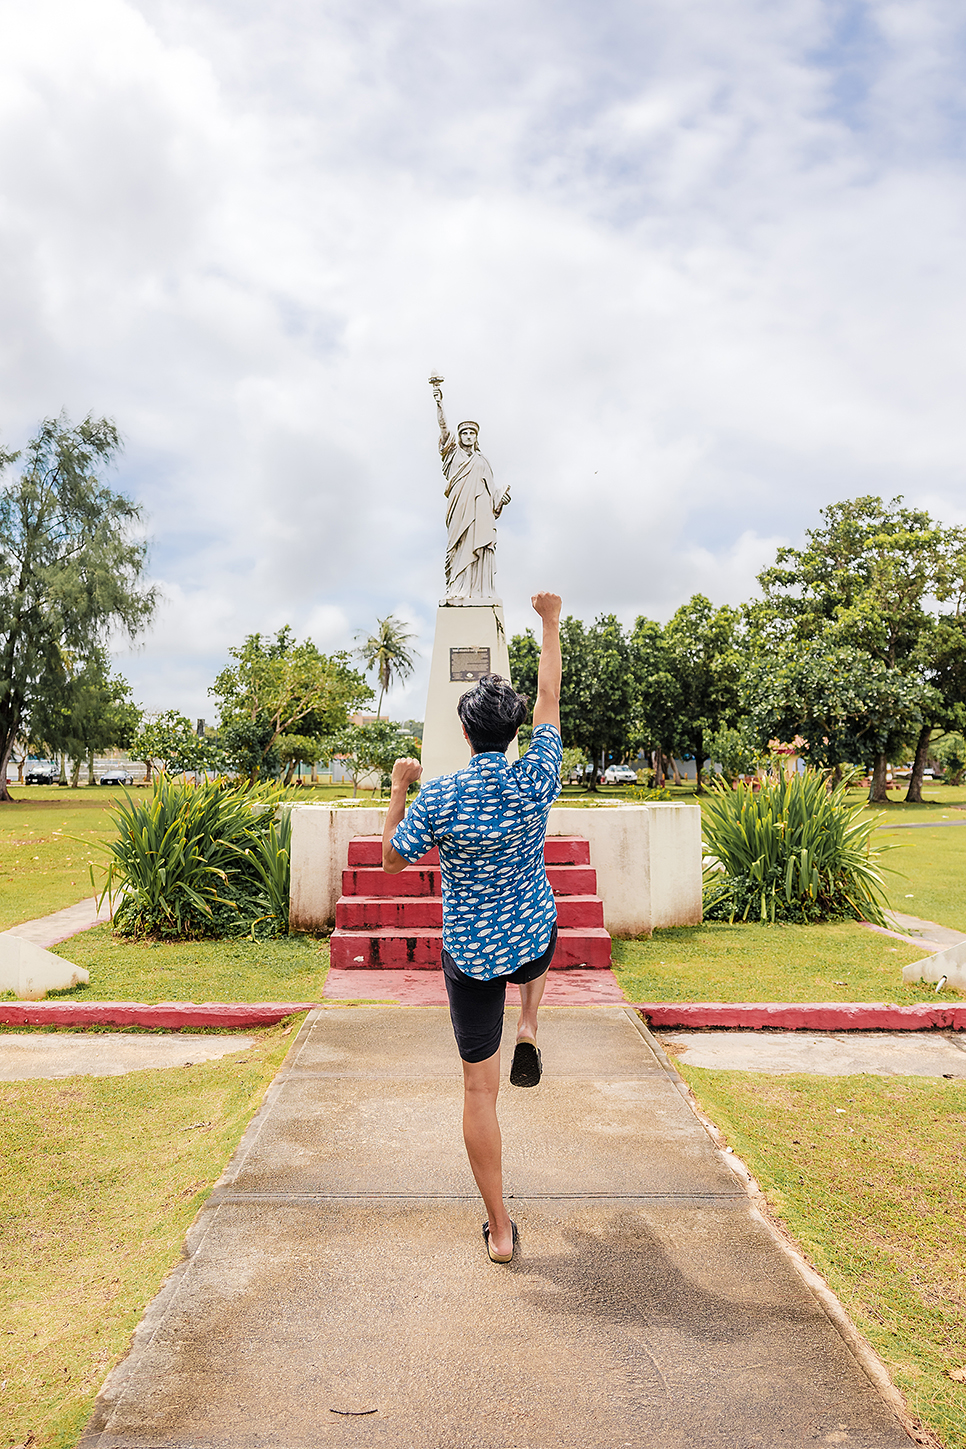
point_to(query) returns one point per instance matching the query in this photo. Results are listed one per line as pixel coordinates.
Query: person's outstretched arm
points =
(404, 772)
(547, 708)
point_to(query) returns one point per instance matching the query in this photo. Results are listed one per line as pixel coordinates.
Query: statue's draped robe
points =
(470, 522)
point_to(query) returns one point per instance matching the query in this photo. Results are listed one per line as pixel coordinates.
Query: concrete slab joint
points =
(647, 859)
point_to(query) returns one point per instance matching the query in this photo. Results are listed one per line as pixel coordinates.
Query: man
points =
(499, 915)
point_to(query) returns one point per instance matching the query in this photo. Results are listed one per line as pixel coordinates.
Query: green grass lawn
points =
(101, 1178)
(43, 867)
(292, 968)
(866, 1174)
(49, 839)
(719, 962)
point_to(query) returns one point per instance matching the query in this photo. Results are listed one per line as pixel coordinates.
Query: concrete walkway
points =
(335, 1289)
(107, 1054)
(59, 926)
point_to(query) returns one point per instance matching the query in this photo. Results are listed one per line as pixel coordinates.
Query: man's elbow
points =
(393, 862)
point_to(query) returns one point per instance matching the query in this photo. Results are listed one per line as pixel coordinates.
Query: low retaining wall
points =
(647, 859)
(170, 1015)
(803, 1016)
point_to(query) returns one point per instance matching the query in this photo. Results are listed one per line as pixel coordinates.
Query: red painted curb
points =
(172, 1015)
(805, 1016)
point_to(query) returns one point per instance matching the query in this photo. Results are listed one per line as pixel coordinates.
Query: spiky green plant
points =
(792, 850)
(198, 860)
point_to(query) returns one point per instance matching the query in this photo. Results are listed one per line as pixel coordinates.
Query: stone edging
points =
(804, 1016)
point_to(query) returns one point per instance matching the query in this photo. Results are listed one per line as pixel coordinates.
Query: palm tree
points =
(388, 653)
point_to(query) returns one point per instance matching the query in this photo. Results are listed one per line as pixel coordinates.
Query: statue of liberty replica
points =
(470, 635)
(473, 508)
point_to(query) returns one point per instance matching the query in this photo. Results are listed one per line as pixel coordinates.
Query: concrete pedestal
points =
(647, 859)
(467, 636)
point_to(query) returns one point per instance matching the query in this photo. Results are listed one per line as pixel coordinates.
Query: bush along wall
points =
(795, 850)
(200, 860)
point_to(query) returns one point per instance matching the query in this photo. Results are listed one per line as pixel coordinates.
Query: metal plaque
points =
(468, 664)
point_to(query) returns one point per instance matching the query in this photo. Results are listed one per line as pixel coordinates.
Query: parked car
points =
(117, 777)
(619, 775)
(40, 772)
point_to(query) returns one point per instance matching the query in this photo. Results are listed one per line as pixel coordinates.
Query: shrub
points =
(792, 850)
(205, 860)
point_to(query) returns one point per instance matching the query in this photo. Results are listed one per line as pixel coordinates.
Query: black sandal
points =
(489, 1251)
(527, 1065)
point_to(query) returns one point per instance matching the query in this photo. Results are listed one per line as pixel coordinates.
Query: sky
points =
(697, 267)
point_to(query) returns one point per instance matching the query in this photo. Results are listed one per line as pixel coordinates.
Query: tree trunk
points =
(657, 764)
(63, 769)
(878, 795)
(675, 772)
(5, 752)
(75, 775)
(90, 768)
(914, 793)
(289, 773)
(698, 747)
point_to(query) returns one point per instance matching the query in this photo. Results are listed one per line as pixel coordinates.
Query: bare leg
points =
(484, 1145)
(531, 994)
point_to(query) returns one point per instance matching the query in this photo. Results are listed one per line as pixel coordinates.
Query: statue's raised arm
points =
(445, 436)
(472, 510)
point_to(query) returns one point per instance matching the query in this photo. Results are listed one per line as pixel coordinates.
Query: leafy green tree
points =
(701, 644)
(846, 707)
(942, 658)
(277, 687)
(656, 708)
(596, 688)
(949, 751)
(388, 652)
(524, 654)
(296, 750)
(70, 566)
(860, 584)
(168, 742)
(370, 747)
(735, 749)
(84, 711)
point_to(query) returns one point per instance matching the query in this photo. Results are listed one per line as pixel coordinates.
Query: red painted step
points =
(392, 922)
(369, 913)
(417, 880)
(557, 850)
(389, 949)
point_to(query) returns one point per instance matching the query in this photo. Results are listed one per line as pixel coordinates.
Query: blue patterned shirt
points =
(490, 821)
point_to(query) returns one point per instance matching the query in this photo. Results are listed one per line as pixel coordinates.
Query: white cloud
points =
(697, 271)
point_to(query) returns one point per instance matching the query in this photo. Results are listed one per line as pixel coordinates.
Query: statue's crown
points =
(468, 424)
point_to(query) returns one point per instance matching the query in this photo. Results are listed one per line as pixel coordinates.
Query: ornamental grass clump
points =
(794, 850)
(200, 860)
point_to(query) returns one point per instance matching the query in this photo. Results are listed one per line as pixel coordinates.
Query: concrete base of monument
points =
(647, 859)
(470, 641)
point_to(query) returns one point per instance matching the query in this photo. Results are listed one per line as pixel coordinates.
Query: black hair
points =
(492, 713)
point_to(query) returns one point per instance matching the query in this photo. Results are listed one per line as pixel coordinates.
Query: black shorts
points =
(476, 1007)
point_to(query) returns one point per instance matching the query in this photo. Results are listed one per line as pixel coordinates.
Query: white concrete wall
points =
(647, 859)
(320, 846)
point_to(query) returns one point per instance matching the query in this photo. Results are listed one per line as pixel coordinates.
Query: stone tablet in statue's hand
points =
(499, 507)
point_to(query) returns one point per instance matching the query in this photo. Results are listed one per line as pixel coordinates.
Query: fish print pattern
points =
(490, 821)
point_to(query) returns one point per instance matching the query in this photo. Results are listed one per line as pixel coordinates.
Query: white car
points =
(619, 775)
